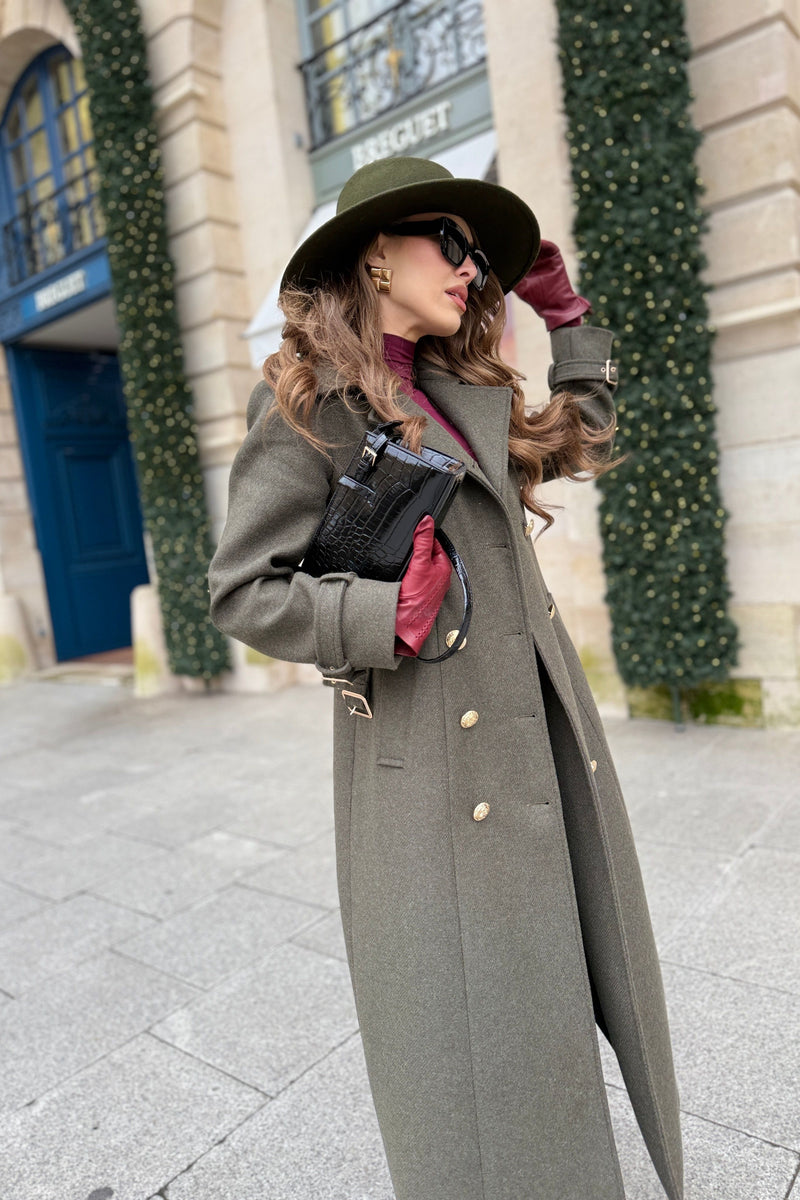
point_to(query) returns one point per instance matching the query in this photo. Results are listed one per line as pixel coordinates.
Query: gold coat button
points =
(593, 765)
(469, 719)
(529, 528)
(451, 637)
(551, 611)
(480, 811)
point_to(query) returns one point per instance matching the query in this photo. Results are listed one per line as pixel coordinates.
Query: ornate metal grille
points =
(389, 60)
(52, 228)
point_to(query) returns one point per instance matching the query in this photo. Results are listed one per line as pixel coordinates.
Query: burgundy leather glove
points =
(422, 590)
(549, 292)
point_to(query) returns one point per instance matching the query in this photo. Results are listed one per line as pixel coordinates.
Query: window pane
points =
(40, 154)
(19, 170)
(13, 124)
(78, 75)
(84, 119)
(44, 187)
(32, 103)
(74, 168)
(62, 84)
(68, 131)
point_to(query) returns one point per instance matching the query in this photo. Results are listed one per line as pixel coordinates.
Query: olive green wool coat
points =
(481, 951)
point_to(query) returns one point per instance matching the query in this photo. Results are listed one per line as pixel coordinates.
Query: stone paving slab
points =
(719, 1163)
(172, 880)
(16, 904)
(751, 929)
(83, 1014)
(219, 935)
(305, 873)
(127, 1123)
(782, 831)
(60, 937)
(269, 1024)
(736, 1053)
(721, 818)
(319, 1140)
(680, 883)
(60, 871)
(326, 937)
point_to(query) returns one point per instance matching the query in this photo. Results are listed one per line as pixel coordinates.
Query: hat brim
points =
(506, 229)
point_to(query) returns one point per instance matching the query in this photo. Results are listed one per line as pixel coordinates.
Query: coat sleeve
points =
(279, 486)
(582, 365)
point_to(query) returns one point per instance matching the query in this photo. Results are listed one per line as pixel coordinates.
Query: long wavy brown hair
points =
(338, 326)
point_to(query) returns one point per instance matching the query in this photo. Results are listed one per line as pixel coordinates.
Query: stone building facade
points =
(254, 153)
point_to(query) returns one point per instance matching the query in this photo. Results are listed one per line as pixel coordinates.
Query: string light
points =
(158, 397)
(627, 102)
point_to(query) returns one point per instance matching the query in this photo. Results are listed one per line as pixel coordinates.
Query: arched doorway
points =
(58, 327)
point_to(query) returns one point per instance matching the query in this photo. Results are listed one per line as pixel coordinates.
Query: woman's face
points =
(428, 296)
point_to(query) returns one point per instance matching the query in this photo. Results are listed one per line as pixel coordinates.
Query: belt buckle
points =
(353, 708)
(356, 698)
(611, 372)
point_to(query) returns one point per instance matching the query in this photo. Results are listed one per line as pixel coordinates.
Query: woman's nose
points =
(467, 271)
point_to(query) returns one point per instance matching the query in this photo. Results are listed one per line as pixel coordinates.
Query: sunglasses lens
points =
(481, 269)
(456, 248)
(454, 245)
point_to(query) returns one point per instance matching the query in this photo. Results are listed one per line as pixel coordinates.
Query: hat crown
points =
(385, 175)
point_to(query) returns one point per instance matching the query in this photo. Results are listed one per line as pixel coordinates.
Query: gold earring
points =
(382, 278)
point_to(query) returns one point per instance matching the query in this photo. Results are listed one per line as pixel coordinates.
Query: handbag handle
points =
(463, 578)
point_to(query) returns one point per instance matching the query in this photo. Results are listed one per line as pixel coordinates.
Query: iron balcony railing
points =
(46, 232)
(392, 58)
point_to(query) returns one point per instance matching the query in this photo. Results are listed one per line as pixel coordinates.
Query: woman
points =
(491, 898)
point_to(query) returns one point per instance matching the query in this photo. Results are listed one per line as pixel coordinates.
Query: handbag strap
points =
(463, 578)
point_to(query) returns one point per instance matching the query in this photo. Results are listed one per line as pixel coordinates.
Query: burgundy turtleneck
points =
(399, 355)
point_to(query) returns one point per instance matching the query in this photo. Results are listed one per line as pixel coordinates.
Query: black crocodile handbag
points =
(369, 522)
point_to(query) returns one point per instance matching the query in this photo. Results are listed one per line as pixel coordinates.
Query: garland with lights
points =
(158, 397)
(638, 229)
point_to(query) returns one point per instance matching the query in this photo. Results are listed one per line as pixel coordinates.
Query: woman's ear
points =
(376, 257)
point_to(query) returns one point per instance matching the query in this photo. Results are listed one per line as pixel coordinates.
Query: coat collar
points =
(482, 414)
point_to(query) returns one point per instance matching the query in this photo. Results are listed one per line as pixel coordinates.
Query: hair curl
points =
(338, 325)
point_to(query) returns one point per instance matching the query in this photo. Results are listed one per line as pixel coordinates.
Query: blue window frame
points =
(48, 173)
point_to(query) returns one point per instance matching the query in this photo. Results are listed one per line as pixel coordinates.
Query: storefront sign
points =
(404, 136)
(63, 289)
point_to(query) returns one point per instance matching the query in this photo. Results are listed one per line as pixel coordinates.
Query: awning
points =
(470, 159)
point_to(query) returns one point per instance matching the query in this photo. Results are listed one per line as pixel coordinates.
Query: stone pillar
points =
(24, 611)
(533, 160)
(231, 123)
(746, 79)
(27, 27)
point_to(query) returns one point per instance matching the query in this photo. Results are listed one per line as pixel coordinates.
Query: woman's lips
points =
(459, 299)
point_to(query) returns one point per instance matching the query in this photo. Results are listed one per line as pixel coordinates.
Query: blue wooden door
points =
(84, 494)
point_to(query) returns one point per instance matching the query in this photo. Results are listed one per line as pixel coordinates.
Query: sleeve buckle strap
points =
(612, 373)
(573, 370)
(357, 704)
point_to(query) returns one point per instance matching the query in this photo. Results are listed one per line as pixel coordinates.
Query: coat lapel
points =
(482, 414)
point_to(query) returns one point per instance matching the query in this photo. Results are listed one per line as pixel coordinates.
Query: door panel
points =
(84, 494)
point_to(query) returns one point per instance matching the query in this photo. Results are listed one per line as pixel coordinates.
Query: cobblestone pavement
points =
(175, 1010)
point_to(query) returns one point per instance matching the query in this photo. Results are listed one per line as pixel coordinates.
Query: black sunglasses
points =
(453, 243)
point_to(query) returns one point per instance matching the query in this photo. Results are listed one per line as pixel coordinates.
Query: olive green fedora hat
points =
(393, 188)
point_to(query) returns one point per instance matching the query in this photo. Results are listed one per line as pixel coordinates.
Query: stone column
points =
(533, 160)
(746, 78)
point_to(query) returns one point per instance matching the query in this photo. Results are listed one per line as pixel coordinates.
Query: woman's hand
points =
(422, 590)
(549, 292)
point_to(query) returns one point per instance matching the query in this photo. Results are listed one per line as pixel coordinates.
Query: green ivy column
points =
(638, 230)
(158, 397)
